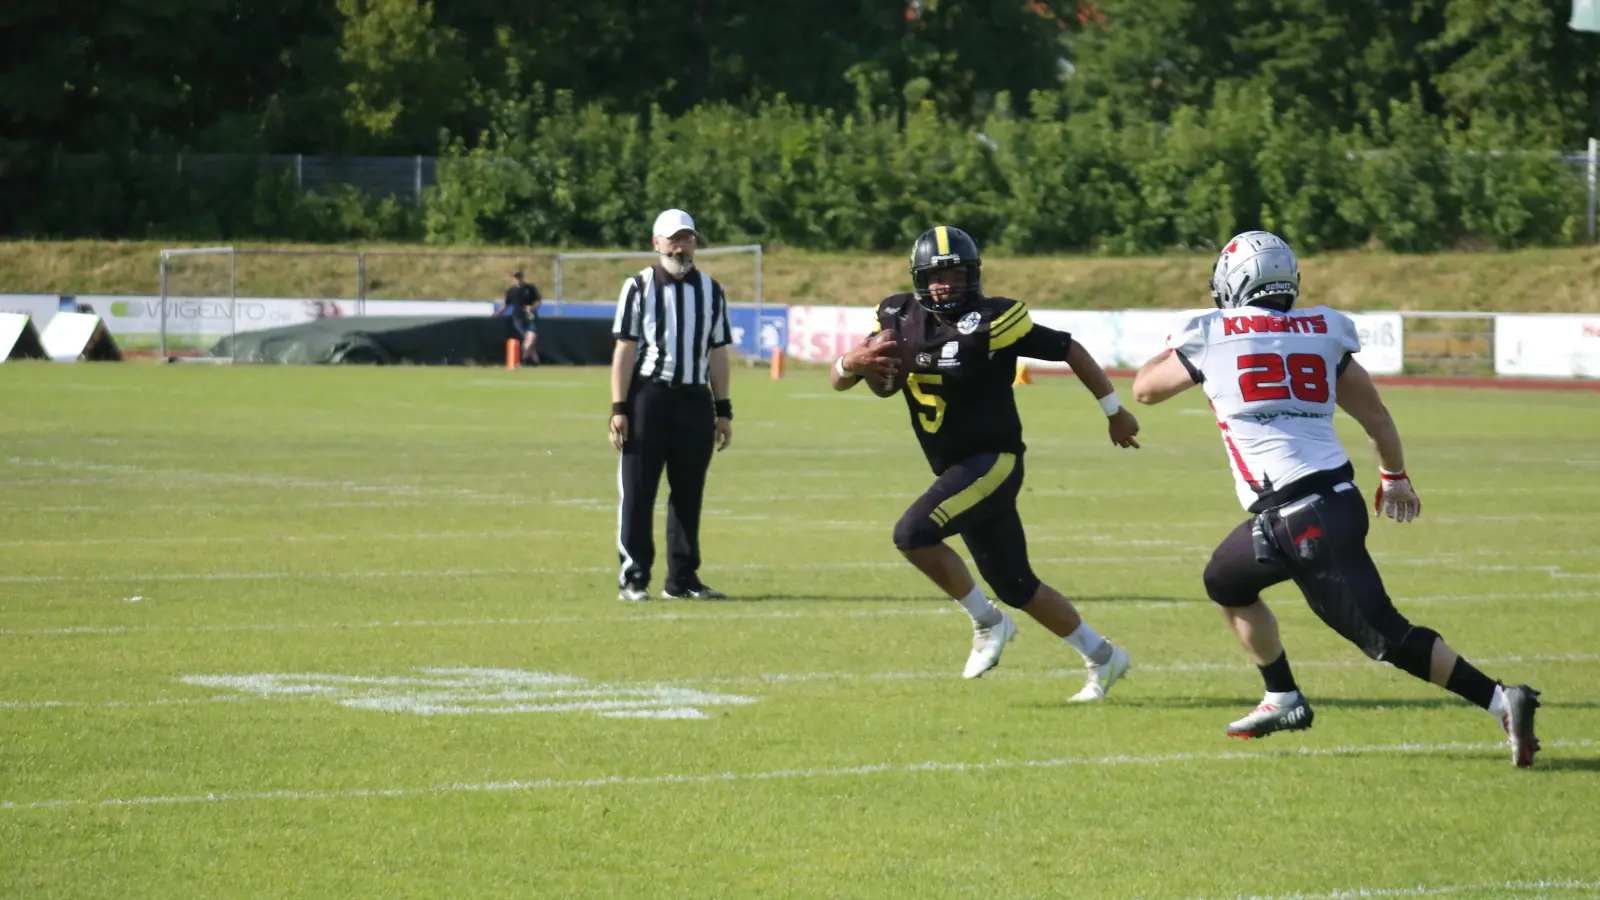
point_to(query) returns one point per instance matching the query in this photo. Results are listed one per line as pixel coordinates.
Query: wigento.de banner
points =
(1548, 346)
(1117, 339)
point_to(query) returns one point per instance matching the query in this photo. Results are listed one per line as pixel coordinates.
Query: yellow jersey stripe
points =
(986, 484)
(1005, 318)
(942, 235)
(1012, 333)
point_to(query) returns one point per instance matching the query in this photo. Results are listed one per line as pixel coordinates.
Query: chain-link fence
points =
(400, 177)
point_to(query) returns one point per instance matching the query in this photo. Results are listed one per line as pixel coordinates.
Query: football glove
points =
(1396, 497)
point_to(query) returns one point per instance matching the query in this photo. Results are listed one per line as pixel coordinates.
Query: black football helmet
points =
(943, 248)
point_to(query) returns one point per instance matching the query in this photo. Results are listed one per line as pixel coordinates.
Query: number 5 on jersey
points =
(925, 389)
(1268, 376)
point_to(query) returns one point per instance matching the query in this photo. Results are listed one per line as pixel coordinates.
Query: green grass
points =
(1536, 280)
(368, 522)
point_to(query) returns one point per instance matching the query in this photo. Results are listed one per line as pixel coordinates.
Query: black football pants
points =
(674, 429)
(1321, 543)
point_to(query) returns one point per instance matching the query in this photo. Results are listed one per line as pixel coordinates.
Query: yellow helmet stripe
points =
(942, 235)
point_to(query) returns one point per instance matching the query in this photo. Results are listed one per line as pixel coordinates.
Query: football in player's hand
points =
(888, 352)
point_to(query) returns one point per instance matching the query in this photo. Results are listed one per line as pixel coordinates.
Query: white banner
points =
(824, 333)
(1117, 339)
(198, 322)
(41, 307)
(1550, 346)
(1383, 342)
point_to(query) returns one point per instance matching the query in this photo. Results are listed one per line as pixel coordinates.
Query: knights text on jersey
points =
(1270, 379)
(959, 390)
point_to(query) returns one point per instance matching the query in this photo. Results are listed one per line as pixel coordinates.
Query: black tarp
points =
(418, 340)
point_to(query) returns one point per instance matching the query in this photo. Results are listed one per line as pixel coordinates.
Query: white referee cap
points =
(673, 221)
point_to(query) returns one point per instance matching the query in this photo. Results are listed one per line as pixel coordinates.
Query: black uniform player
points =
(960, 350)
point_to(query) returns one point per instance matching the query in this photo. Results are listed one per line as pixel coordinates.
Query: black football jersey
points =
(958, 388)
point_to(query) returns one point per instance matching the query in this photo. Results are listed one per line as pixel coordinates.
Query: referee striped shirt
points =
(676, 323)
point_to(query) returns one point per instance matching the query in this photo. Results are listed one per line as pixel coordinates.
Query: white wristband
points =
(838, 366)
(1109, 404)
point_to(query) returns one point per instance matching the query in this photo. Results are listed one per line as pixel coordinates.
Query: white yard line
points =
(708, 613)
(707, 616)
(782, 678)
(285, 538)
(1433, 891)
(546, 570)
(921, 768)
(1180, 668)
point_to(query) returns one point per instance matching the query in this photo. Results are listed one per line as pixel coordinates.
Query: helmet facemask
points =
(959, 299)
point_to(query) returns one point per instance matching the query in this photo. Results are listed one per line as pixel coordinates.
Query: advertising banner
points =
(1549, 346)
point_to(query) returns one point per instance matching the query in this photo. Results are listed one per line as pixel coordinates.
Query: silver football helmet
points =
(1253, 266)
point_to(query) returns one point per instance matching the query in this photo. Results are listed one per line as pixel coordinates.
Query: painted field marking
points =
(1145, 559)
(921, 768)
(283, 538)
(287, 688)
(1427, 891)
(454, 692)
(70, 630)
(934, 609)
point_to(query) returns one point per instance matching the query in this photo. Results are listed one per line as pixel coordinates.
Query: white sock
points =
(983, 613)
(1094, 649)
(1497, 706)
(1281, 699)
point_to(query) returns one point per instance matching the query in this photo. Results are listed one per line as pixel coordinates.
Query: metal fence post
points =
(299, 171)
(361, 284)
(419, 180)
(163, 306)
(233, 305)
(1594, 165)
(560, 296)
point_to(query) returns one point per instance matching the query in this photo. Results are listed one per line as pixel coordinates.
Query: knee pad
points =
(915, 532)
(1015, 590)
(1412, 654)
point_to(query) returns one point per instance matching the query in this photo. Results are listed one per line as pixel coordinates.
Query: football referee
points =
(669, 407)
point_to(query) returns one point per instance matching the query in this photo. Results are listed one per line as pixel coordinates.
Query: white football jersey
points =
(1270, 379)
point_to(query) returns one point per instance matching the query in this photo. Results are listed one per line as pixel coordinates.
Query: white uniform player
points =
(1274, 374)
(1270, 378)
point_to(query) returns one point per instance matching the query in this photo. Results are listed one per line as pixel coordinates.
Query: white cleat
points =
(1101, 678)
(987, 645)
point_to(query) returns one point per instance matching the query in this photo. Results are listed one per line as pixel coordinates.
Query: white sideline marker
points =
(1426, 891)
(264, 692)
(575, 784)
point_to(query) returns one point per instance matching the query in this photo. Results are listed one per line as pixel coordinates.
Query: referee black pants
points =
(673, 428)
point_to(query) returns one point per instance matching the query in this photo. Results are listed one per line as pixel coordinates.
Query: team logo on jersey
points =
(924, 360)
(947, 355)
(969, 322)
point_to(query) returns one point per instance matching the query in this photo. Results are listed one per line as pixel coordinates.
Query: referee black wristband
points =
(724, 409)
(619, 409)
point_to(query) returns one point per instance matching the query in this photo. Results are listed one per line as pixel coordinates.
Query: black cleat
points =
(1269, 718)
(1520, 703)
(698, 592)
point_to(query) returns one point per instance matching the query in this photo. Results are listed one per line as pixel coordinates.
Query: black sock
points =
(1470, 684)
(1277, 675)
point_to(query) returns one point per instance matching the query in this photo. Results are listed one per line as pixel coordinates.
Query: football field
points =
(352, 632)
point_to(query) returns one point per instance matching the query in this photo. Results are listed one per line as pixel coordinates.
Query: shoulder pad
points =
(894, 304)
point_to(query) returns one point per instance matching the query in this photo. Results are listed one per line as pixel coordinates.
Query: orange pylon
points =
(1023, 377)
(513, 354)
(777, 363)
